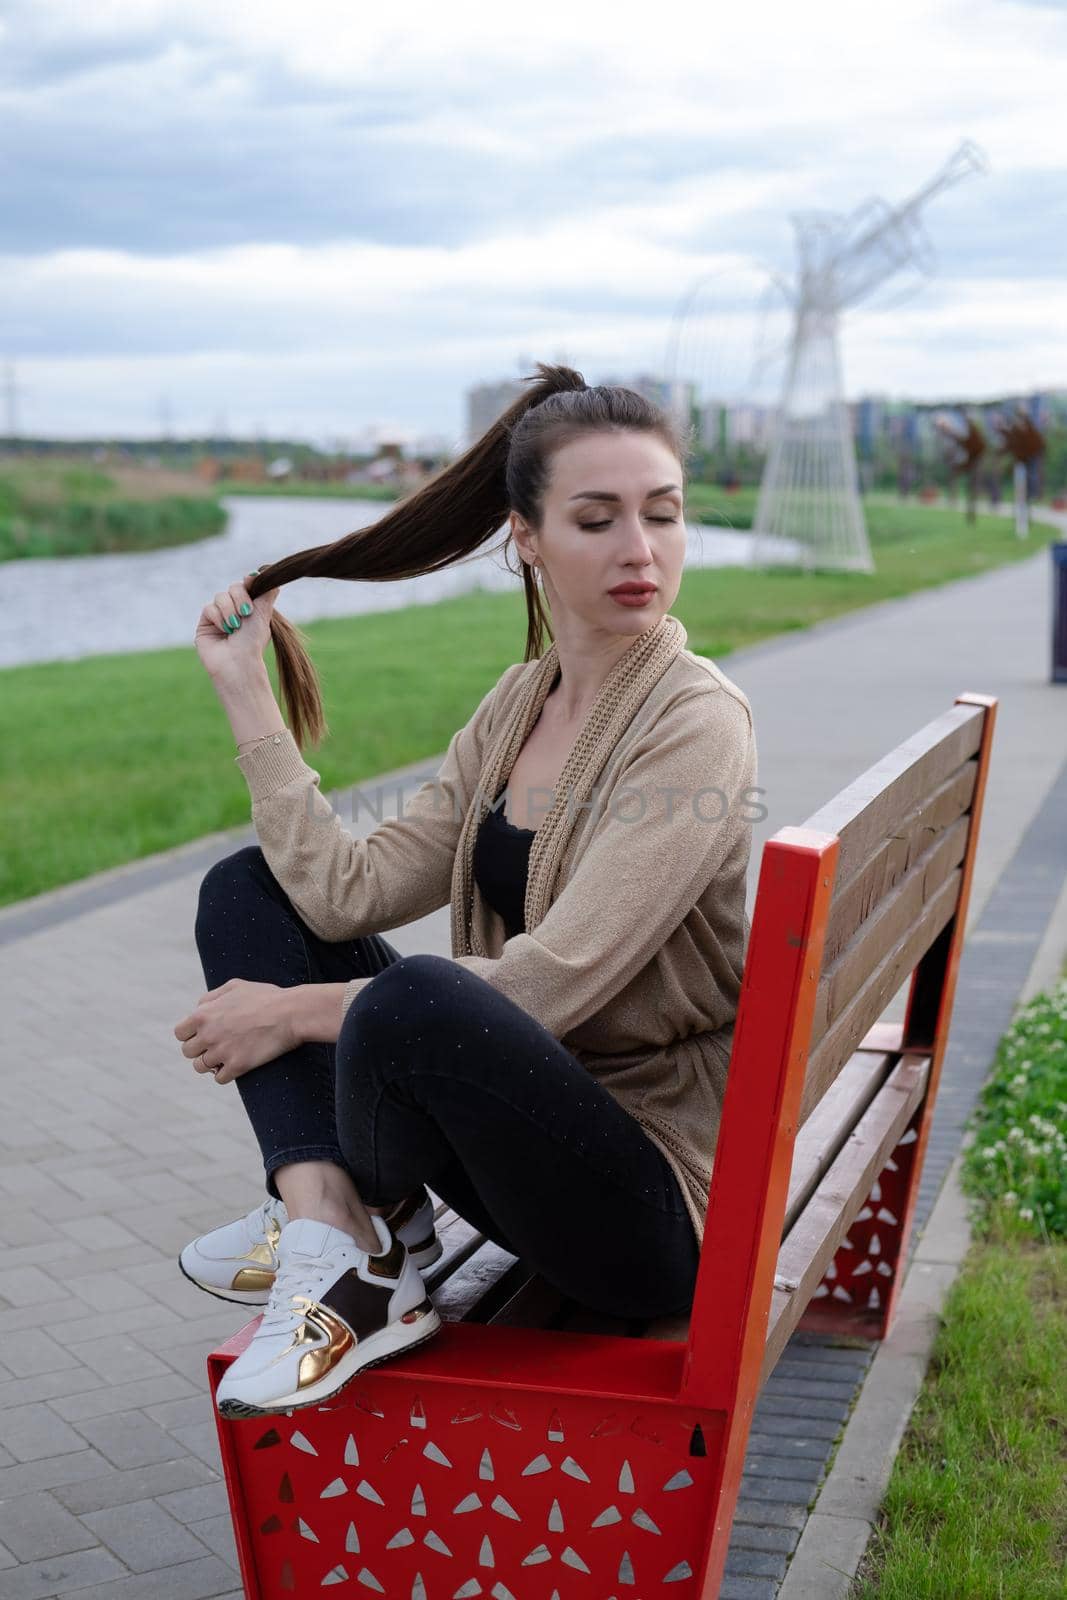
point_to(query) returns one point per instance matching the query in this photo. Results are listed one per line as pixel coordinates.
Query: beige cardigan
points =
(635, 901)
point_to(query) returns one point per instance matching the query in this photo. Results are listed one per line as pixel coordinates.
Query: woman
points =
(559, 1080)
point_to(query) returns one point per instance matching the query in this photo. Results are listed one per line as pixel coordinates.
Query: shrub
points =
(1017, 1163)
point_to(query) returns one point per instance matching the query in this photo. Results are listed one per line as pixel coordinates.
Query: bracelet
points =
(263, 737)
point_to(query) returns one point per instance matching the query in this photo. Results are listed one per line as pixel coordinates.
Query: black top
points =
(500, 864)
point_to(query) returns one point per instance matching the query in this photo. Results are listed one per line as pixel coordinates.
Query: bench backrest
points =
(872, 889)
(902, 834)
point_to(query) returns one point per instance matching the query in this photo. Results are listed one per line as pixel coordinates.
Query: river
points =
(62, 609)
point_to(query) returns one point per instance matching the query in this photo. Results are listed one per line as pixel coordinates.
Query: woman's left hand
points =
(236, 1027)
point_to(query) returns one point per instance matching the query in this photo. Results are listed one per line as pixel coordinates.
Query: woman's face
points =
(612, 514)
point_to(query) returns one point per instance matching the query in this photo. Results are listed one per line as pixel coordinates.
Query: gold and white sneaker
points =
(238, 1261)
(334, 1309)
(412, 1222)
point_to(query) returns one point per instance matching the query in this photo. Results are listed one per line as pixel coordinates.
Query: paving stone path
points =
(115, 1152)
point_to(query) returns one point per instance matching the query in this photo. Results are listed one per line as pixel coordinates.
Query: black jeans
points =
(437, 1078)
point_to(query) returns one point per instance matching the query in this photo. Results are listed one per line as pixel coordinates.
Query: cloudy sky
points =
(311, 220)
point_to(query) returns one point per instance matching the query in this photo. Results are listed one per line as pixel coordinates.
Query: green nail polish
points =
(232, 620)
(246, 610)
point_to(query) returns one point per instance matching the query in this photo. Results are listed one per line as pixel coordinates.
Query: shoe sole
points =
(427, 1324)
(237, 1297)
(424, 1254)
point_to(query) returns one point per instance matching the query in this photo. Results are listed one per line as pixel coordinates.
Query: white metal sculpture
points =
(809, 511)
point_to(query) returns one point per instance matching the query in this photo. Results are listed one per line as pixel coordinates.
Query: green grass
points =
(112, 758)
(58, 509)
(706, 502)
(310, 490)
(976, 1506)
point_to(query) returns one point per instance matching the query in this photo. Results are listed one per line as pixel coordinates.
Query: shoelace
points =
(258, 1221)
(297, 1275)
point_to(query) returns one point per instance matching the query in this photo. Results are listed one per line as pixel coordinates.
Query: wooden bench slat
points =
(477, 1281)
(869, 1003)
(459, 1241)
(532, 1302)
(462, 1295)
(883, 1037)
(819, 1142)
(886, 926)
(855, 898)
(812, 1243)
(872, 807)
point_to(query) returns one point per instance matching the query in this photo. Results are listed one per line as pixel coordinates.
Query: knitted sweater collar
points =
(619, 698)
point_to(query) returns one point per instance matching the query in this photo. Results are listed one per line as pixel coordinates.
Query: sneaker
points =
(334, 1309)
(238, 1261)
(412, 1222)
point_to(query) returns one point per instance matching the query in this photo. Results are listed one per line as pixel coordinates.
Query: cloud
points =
(198, 194)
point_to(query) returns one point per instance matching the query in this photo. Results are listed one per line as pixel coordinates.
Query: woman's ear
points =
(520, 537)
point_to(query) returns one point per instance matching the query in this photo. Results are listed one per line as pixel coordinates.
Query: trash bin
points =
(1059, 612)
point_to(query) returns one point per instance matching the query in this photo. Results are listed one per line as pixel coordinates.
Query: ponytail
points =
(451, 516)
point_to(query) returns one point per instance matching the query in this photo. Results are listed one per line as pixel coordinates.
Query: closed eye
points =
(607, 522)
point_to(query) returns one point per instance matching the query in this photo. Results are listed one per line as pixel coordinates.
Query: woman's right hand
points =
(234, 651)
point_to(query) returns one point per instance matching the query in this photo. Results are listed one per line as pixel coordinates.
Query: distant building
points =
(487, 401)
(713, 431)
(432, 447)
(749, 425)
(392, 467)
(676, 396)
(868, 416)
(246, 469)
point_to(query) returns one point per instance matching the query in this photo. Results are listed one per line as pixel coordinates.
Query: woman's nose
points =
(637, 545)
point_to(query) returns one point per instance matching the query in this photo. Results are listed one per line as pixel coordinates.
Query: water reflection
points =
(63, 609)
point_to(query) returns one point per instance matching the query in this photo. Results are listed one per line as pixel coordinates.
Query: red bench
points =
(533, 1451)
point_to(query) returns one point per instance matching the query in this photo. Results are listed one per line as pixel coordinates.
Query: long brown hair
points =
(458, 510)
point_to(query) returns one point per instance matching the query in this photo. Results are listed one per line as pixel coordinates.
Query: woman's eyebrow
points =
(602, 494)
